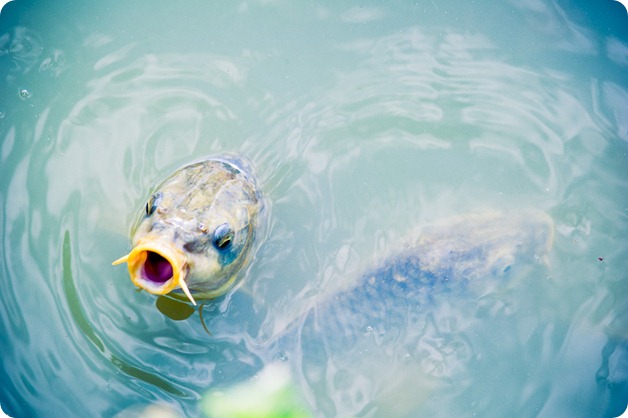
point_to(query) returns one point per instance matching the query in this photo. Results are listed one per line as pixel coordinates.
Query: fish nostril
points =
(156, 268)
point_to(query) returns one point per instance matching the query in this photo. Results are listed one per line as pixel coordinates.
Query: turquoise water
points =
(362, 120)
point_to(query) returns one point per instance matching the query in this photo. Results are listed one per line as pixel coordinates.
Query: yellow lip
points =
(157, 267)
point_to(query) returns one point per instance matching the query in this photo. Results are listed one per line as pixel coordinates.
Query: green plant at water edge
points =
(272, 395)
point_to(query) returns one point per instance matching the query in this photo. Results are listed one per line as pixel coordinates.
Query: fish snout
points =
(157, 267)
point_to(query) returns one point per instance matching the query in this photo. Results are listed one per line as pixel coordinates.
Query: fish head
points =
(492, 243)
(524, 237)
(196, 232)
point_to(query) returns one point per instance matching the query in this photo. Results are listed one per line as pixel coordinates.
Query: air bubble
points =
(24, 94)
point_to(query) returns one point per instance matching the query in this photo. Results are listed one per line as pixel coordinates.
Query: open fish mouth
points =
(157, 267)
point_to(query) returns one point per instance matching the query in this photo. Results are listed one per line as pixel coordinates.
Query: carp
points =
(197, 230)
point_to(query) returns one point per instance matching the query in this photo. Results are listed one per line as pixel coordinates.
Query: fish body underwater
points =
(458, 255)
(197, 230)
(382, 345)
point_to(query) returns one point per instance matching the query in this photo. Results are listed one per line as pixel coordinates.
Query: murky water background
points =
(362, 121)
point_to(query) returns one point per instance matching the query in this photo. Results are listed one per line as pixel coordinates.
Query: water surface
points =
(362, 120)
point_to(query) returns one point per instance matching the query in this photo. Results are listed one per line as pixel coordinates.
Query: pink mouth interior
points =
(156, 268)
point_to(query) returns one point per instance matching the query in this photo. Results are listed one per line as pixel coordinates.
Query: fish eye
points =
(223, 236)
(153, 202)
(504, 264)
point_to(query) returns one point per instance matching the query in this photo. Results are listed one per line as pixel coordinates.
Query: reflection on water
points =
(85, 327)
(363, 123)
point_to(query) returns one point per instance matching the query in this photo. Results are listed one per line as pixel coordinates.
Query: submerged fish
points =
(197, 230)
(351, 342)
(456, 254)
